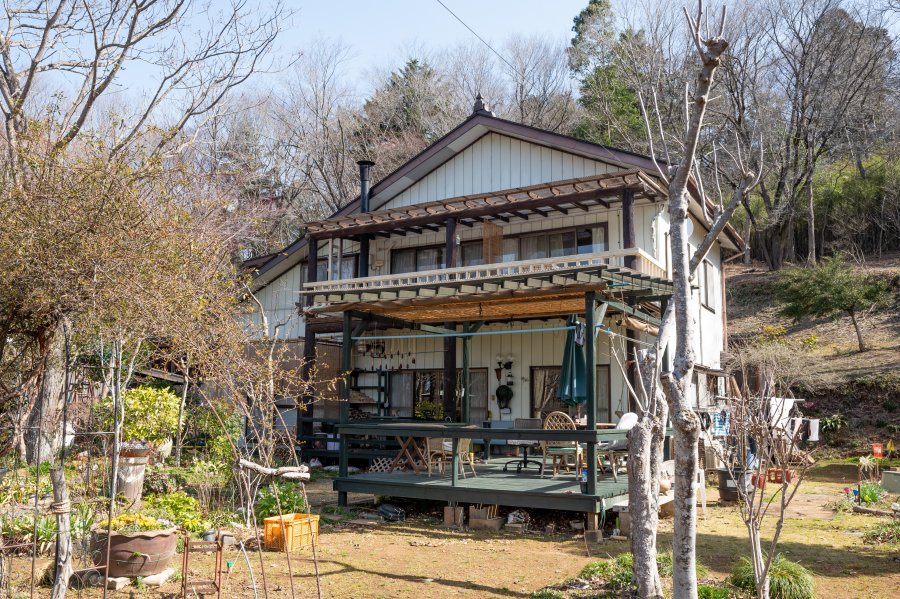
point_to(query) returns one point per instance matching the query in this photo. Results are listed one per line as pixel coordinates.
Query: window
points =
(471, 253)
(544, 383)
(347, 269)
(708, 286)
(419, 393)
(417, 259)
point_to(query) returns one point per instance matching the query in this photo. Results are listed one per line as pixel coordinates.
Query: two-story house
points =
(454, 276)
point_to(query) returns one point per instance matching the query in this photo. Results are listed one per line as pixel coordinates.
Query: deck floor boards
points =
(492, 485)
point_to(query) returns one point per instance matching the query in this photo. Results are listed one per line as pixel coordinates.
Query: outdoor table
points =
(523, 463)
(410, 451)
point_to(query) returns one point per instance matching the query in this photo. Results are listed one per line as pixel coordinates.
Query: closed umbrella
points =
(572, 388)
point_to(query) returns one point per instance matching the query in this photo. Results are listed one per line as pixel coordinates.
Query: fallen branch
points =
(300, 473)
(872, 511)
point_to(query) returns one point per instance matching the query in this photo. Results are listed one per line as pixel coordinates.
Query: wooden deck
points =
(492, 486)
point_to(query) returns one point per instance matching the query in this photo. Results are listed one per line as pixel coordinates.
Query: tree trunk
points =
(760, 573)
(43, 437)
(747, 256)
(643, 505)
(64, 538)
(684, 542)
(811, 224)
(178, 429)
(859, 336)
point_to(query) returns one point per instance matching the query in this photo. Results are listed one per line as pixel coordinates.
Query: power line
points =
(491, 48)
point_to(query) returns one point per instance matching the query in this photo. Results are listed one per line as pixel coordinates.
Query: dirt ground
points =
(421, 559)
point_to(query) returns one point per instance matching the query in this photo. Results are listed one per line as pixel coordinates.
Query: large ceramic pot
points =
(135, 554)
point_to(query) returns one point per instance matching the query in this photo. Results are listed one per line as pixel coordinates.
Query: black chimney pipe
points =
(365, 166)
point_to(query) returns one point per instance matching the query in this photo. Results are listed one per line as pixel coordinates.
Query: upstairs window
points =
(708, 285)
(417, 259)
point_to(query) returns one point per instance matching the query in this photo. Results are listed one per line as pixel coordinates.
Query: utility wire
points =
(491, 48)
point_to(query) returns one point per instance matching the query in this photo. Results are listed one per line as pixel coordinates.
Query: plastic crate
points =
(300, 531)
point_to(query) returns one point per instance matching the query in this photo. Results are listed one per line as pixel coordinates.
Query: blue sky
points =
(380, 32)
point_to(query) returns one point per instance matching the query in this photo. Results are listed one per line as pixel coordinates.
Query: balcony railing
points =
(643, 264)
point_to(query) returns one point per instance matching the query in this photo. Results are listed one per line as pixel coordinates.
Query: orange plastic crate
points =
(300, 531)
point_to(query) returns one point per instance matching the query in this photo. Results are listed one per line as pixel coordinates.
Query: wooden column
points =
(628, 236)
(449, 376)
(305, 428)
(590, 359)
(466, 387)
(663, 304)
(346, 365)
(630, 346)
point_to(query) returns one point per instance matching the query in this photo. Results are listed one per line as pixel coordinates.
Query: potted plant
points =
(138, 545)
(134, 449)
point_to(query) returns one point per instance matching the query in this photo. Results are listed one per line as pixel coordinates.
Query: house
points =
(454, 275)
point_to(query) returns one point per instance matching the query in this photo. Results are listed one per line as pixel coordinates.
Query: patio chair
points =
(435, 452)
(560, 452)
(614, 450)
(439, 450)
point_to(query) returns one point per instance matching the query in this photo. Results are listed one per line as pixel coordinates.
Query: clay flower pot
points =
(135, 554)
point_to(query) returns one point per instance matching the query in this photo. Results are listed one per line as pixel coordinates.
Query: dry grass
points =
(420, 559)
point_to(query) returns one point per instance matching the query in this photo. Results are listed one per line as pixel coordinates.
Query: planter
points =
(728, 486)
(135, 452)
(130, 477)
(135, 554)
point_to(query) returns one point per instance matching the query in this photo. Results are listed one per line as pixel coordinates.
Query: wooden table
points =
(410, 451)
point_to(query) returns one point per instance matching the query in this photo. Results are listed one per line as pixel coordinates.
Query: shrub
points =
(870, 493)
(705, 591)
(887, 532)
(151, 414)
(596, 570)
(833, 423)
(618, 572)
(286, 494)
(787, 579)
(179, 508)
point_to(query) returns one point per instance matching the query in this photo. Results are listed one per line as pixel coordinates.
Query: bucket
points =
(728, 485)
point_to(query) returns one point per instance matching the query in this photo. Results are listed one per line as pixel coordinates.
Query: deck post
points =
(305, 428)
(628, 236)
(663, 304)
(454, 479)
(590, 358)
(466, 349)
(346, 351)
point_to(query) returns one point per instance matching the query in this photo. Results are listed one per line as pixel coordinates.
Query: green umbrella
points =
(572, 388)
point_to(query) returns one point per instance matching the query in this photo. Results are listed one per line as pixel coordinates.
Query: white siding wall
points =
(539, 348)
(279, 300)
(495, 162)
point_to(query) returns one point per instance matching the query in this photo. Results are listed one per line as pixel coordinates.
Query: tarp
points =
(572, 388)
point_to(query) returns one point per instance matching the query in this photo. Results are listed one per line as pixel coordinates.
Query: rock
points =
(117, 582)
(157, 580)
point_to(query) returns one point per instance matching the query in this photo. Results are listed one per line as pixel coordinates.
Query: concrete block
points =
(157, 580)
(454, 516)
(516, 527)
(487, 523)
(890, 480)
(593, 536)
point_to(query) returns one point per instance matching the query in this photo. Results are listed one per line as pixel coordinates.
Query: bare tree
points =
(684, 182)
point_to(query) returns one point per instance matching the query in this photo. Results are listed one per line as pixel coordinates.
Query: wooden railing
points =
(644, 263)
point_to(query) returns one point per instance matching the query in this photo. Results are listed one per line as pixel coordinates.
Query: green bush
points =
(179, 508)
(618, 572)
(151, 414)
(787, 579)
(704, 591)
(267, 502)
(870, 493)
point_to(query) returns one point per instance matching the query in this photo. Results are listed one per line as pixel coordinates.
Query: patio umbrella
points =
(572, 388)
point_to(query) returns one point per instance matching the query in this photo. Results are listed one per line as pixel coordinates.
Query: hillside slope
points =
(864, 388)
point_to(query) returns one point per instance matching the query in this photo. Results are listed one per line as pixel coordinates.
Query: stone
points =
(117, 582)
(157, 580)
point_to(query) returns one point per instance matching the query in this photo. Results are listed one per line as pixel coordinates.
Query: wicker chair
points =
(560, 452)
(439, 451)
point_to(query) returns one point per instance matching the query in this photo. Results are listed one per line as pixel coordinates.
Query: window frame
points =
(707, 291)
(416, 249)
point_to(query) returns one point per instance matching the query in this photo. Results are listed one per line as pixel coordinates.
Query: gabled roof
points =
(463, 135)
